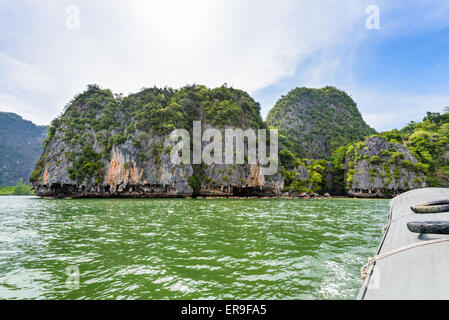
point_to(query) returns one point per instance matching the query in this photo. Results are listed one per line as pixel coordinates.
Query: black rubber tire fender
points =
(430, 227)
(431, 207)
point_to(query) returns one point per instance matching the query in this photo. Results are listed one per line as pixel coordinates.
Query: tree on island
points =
(22, 189)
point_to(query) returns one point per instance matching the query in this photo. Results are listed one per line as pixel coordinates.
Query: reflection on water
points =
(186, 248)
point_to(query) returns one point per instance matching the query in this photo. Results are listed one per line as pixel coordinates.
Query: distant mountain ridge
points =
(20, 147)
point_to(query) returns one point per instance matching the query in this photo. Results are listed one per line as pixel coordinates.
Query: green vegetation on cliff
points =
(428, 141)
(315, 122)
(97, 120)
(325, 146)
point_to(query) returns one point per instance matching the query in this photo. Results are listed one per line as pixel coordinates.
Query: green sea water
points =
(186, 248)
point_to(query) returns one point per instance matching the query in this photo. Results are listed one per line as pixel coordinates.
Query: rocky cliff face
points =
(377, 168)
(314, 122)
(128, 176)
(109, 146)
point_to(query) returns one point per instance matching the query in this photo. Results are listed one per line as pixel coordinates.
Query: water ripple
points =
(186, 248)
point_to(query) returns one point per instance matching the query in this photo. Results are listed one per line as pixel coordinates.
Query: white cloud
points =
(384, 111)
(11, 103)
(127, 45)
(22, 76)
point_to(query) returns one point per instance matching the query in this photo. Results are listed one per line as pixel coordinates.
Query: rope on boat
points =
(372, 260)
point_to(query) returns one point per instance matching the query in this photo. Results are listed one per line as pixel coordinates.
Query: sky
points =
(395, 70)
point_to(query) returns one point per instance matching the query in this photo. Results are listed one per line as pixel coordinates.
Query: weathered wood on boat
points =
(418, 273)
(431, 227)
